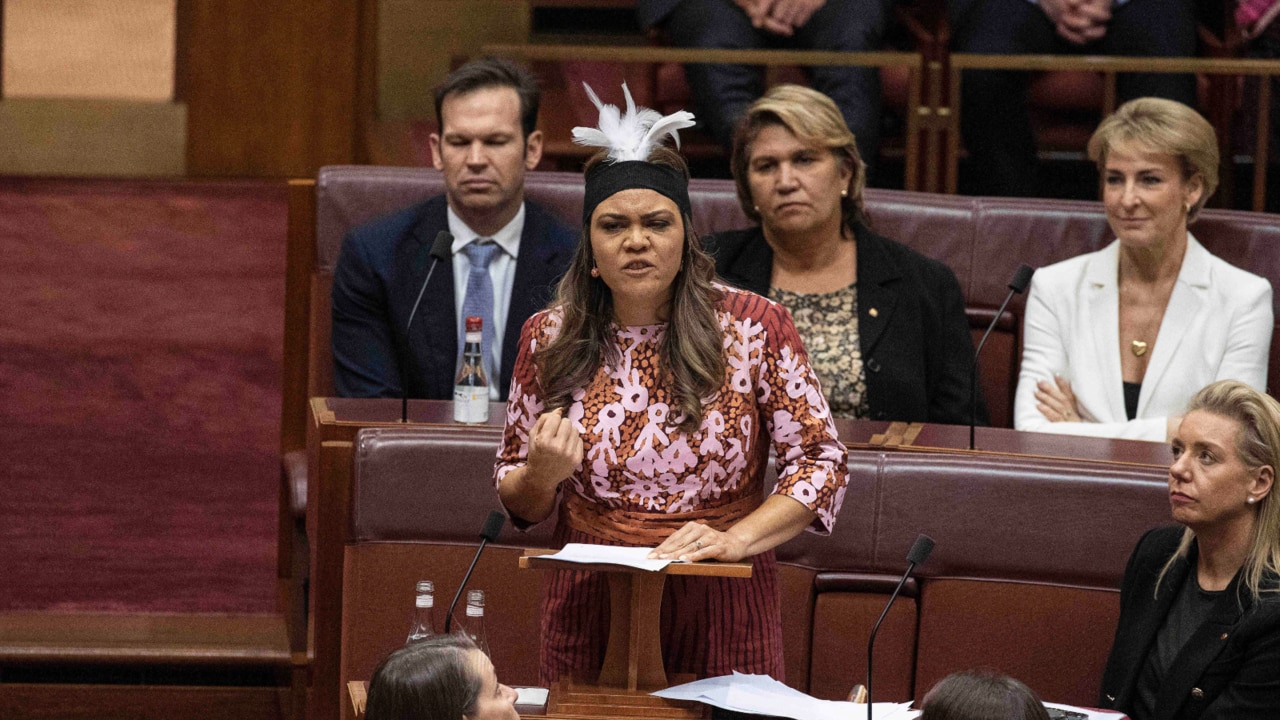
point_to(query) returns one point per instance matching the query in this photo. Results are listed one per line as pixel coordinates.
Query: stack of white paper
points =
(762, 695)
(1090, 714)
(636, 557)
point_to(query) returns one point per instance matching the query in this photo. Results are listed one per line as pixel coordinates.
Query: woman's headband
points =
(608, 178)
(629, 138)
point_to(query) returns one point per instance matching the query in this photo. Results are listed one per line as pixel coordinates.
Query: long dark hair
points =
(431, 679)
(692, 352)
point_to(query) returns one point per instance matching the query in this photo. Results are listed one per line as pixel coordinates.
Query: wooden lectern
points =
(633, 659)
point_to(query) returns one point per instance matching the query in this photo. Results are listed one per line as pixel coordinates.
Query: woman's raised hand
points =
(555, 448)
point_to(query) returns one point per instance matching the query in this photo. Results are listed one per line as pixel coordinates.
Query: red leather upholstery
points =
(1029, 551)
(982, 239)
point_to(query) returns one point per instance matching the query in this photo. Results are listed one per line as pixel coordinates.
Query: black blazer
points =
(916, 349)
(380, 270)
(1230, 668)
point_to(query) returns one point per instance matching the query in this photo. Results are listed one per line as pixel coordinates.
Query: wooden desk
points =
(331, 432)
(335, 422)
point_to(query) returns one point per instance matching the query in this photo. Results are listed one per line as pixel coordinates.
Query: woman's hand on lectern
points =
(555, 449)
(695, 541)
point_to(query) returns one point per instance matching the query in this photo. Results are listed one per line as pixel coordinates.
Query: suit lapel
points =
(433, 336)
(877, 296)
(1142, 633)
(536, 271)
(1185, 306)
(1201, 649)
(1100, 317)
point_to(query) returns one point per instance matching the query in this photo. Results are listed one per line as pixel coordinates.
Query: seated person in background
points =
(1115, 341)
(444, 677)
(488, 110)
(994, 118)
(981, 695)
(884, 325)
(723, 92)
(1199, 629)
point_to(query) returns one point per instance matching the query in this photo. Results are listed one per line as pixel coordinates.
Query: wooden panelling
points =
(147, 702)
(271, 87)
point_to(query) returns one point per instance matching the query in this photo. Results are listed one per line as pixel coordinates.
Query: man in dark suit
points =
(723, 92)
(507, 254)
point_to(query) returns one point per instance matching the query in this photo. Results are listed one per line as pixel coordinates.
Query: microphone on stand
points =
(439, 252)
(492, 526)
(1017, 286)
(920, 550)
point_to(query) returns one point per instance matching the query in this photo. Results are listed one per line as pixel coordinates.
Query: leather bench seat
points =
(1029, 553)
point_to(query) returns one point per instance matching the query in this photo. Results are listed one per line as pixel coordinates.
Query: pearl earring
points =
(844, 192)
(1251, 500)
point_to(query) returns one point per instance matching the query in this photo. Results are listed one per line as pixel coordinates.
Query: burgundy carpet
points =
(140, 351)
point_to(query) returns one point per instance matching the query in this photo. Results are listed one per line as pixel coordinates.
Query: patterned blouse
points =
(828, 322)
(636, 461)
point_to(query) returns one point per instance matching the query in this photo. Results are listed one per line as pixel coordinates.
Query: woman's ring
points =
(697, 544)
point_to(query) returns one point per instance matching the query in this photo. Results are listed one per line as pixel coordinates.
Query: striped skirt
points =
(711, 626)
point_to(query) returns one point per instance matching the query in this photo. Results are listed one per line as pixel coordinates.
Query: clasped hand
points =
(555, 448)
(1057, 401)
(1078, 21)
(780, 17)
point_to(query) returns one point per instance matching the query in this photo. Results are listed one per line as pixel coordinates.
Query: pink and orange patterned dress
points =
(641, 479)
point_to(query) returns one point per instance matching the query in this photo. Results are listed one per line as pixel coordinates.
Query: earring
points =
(1251, 500)
(1186, 208)
(756, 208)
(595, 271)
(844, 193)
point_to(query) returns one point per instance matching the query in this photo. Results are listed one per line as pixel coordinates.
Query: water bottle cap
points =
(475, 597)
(475, 324)
(425, 601)
(426, 586)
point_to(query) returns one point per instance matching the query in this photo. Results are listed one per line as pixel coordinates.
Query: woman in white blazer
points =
(1115, 342)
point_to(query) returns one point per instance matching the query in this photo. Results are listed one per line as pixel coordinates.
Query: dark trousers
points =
(723, 92)
(994, 120)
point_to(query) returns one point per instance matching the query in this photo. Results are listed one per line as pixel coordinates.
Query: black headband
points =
(608, 178)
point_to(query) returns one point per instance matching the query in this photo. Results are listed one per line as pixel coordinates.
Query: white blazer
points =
(1217, 326)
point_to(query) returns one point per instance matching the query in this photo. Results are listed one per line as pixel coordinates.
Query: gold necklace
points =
(1138, 347)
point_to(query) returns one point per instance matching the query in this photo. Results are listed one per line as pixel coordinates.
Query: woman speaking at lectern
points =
(644, 403)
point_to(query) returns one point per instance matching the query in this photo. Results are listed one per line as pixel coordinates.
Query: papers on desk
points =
(532, 696)
(1090, 714)
(762, 695)
(635, 557)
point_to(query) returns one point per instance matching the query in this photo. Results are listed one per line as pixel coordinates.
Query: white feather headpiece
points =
(630, 136)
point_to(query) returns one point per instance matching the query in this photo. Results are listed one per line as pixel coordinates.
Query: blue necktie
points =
(478, 302)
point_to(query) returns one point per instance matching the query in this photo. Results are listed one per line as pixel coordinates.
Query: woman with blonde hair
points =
(1199, 629)
(884, 325)
(1115, 341)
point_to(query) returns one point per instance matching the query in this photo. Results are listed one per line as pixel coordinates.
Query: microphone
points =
(439, 252)
(920, 550)
(492, 526)
(1017, 286)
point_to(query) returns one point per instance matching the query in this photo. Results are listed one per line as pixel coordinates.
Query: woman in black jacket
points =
(884, 325)
(1199, 630)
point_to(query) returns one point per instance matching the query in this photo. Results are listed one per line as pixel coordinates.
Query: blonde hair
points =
(815, 120)
(1257, 445)
(1164, 126)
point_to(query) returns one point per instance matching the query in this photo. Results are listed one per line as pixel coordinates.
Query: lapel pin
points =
(873, 312)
